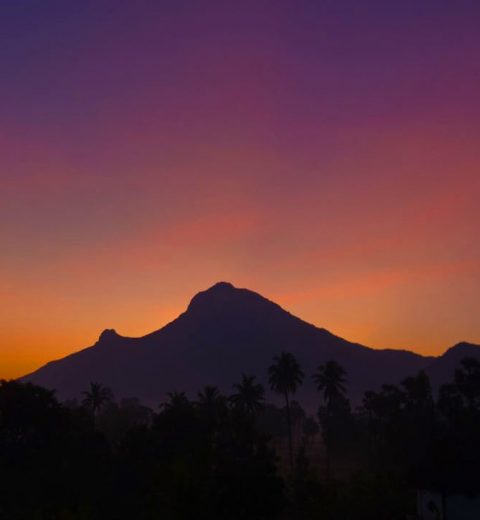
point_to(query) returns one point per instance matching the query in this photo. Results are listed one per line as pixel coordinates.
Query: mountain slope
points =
(224, 332)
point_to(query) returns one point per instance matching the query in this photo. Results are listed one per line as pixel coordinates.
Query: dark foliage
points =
(213, 458)
(199, 459)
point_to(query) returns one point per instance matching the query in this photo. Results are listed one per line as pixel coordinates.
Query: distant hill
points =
(224, 332)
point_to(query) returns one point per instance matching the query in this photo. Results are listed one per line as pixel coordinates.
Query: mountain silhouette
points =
(225, 332)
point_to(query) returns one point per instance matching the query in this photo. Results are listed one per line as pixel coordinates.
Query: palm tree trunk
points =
(327, 449)
(328, 443)
(289, 428)
(94, 416)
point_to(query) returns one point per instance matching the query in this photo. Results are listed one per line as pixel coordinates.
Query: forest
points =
(237, 456)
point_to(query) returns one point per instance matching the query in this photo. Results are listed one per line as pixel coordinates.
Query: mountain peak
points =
(235, 307)
(217, 293)
(222, 286)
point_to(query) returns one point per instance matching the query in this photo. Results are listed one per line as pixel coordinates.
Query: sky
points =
(325, 154)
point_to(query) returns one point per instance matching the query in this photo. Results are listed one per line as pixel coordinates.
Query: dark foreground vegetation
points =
(236, 457)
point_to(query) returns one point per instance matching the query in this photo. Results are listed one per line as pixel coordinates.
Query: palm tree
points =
(249, 396)
(212, 405)
(467, 379)
(285, 376)
(330, 379)
(176, 401)
(209, 396)
(96, 398)
(418, 391)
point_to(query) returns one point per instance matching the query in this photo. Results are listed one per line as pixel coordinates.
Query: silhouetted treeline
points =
(238, 457)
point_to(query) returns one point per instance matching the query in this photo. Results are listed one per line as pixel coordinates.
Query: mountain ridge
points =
(224, 332)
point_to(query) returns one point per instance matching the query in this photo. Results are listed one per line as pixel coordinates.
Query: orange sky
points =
(324, 161)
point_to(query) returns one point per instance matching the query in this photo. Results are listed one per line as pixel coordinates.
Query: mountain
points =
(225, 332)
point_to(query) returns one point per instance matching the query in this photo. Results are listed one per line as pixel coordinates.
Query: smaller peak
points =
(462, 348)
(107, 335)
(463, 345)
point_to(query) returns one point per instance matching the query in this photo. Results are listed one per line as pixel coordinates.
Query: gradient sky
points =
(323, 153)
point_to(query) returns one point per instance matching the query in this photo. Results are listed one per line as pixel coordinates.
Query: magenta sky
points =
(325, 154)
